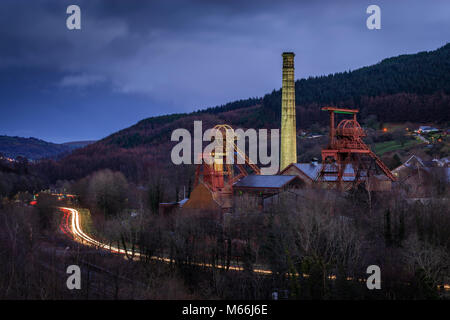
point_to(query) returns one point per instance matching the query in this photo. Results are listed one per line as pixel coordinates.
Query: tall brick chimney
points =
(288, 125)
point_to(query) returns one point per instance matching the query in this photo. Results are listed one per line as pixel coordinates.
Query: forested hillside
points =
(35, 149)
(412, 88)
(30, 148)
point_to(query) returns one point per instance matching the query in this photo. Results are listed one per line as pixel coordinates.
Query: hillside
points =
(77, 144)
(34, 149)
(413, 88)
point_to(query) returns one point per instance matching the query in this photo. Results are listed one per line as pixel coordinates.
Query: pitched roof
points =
(412, 162)
(264, 181)
(415, 161)
(312, 171)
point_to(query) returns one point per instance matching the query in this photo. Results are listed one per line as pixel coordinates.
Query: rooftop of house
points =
(312, 170)
(426, 127)
(415, 162)
(264, 181)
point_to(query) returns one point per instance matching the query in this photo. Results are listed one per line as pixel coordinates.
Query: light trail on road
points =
(81, 237)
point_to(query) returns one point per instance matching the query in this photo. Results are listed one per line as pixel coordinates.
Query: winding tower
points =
(346, 150)
(219, 175)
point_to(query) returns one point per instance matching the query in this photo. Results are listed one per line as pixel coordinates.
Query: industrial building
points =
(346, 161)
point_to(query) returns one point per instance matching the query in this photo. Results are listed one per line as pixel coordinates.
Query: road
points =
(74, 227)
(422, 138)
(72, 224)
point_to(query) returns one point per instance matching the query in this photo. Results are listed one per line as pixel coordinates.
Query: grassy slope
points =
(387, 146)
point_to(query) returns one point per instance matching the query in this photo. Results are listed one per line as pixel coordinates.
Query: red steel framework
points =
(219, 176)
(347, 147)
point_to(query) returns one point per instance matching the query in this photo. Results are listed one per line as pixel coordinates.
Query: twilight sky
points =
(134, 59)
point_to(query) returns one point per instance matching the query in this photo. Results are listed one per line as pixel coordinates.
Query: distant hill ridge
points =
(34, 149)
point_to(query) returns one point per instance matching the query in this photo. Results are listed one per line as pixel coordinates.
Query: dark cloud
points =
(134, 58)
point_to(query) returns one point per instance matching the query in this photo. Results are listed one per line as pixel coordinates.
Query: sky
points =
(134, 59)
